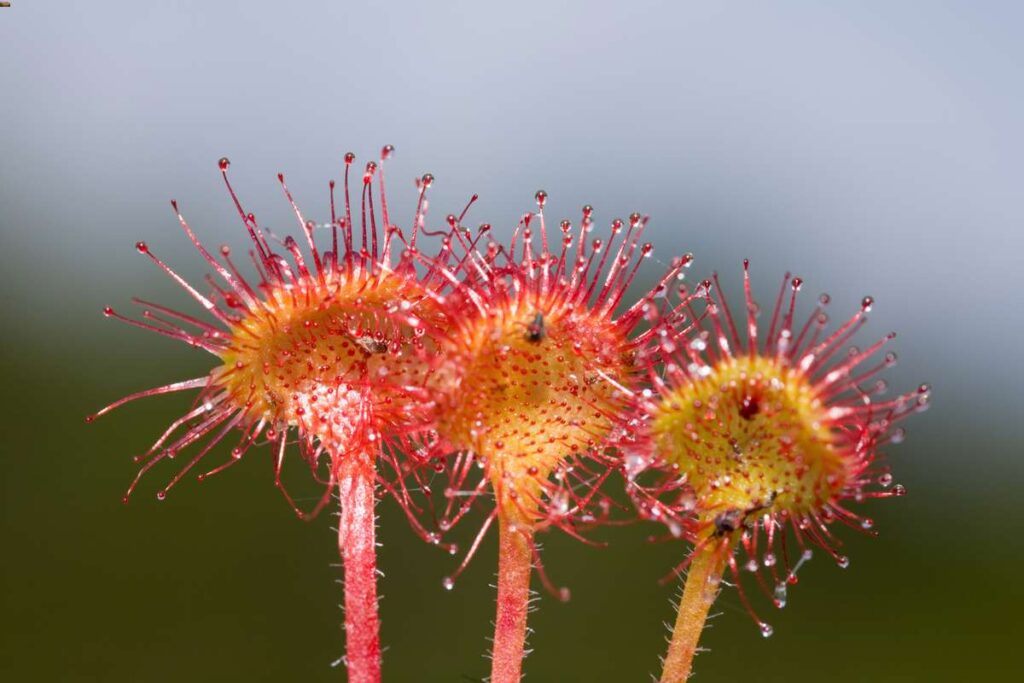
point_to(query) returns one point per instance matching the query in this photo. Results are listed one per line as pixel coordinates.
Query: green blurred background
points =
(874, 146)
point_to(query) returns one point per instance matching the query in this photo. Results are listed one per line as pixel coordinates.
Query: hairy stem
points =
(515, 562)
(357, 546)
(700, 591)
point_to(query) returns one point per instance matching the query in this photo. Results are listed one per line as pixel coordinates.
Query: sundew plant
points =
(531, 378)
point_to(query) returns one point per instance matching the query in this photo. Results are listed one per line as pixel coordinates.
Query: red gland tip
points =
(349, 158)
(386, 152)
(108, 311)
(141, 247)
(223, 163)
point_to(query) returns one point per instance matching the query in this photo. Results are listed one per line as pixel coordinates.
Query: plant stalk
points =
(515, 564)
(699, 592)
(358, 550)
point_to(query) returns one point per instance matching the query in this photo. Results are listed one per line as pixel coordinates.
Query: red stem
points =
(357, 546)
(515, 561)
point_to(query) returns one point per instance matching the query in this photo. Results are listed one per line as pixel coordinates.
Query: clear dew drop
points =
(448, 583)
(779, 595)
(843, 561)
(766, 629)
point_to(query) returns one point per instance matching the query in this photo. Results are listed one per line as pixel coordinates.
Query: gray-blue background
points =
(871, 147)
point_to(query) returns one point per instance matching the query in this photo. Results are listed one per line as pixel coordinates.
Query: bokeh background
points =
(870, 147)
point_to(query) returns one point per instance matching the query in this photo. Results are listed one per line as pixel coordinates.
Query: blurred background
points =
(872, 148)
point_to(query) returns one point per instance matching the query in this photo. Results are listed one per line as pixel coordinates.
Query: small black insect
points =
(535, 330)
(728, 521)
(733, 518)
